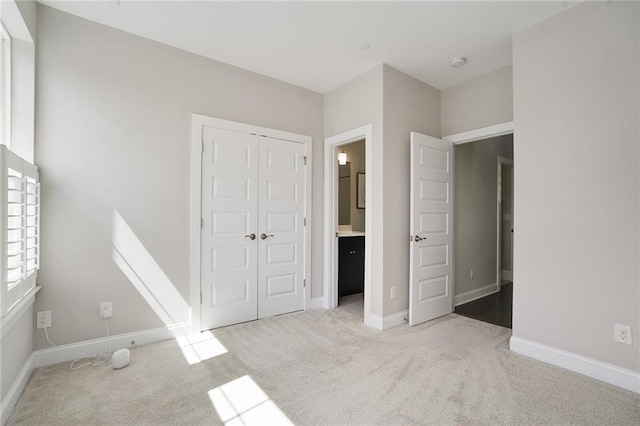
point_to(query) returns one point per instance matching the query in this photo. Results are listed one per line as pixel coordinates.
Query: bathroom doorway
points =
(357, 232)
(351, 226)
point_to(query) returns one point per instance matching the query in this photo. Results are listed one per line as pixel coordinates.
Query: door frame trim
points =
(501, 161)
(195, 201)
(331, 145)
(482, 133)
(492, 131)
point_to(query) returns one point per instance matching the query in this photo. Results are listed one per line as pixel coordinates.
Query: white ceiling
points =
(318, 45)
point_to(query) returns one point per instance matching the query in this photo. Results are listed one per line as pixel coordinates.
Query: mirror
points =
(344, 195)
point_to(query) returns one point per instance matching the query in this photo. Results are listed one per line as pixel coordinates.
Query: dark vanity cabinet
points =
(350, 265)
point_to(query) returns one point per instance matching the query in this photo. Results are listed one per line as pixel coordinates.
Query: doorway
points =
(360, 196)
(483, 225)
(432, 209)
(351, 227)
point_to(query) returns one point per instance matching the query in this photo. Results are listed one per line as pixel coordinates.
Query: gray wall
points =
(395, 104)
(409, 105)
(479, 102)
(27, 9)
(476, 198)
(114, 123)
(576, 92)
(352, 105)
(15, 348)
(355, 155)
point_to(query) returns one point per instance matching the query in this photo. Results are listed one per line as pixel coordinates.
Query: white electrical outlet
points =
(622, 334)
(470, 274)
(106, 310)
(43, 319)
(394, 292)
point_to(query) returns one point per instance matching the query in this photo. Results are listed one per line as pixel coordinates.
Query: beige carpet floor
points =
(353, 304)
(326, 368)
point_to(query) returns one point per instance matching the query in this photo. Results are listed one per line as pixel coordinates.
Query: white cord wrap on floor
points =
(100, 359)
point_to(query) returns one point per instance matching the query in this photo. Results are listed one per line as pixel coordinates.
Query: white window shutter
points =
(19, 228)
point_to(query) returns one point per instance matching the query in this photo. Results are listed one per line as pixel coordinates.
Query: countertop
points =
(342, 234)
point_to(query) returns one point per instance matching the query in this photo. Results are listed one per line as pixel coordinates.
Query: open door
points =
(431, 227)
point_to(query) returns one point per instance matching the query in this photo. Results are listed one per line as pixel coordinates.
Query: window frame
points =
(5, 82)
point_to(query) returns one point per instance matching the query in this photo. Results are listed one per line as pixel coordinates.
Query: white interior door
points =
(281, 227)
(431, 241)
(229, 280)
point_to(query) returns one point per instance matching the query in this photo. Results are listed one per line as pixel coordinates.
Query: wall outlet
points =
(394, 292)
(106, 310)
(43, 319)
(470, 274)
(622, 334)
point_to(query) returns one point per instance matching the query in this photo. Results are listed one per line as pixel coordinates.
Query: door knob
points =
(265, 236)
(251, 236)
(419, 238)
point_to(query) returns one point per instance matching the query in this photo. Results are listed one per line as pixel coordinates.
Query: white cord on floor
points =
(100, 359)
(106, 324)
(47, 336)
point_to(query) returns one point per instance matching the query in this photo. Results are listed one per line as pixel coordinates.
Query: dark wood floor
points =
(496, 308)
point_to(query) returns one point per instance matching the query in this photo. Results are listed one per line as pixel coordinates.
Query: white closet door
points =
(229, 211)
(281, 227)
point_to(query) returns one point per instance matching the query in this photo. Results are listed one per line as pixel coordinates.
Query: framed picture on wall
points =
(361, 191)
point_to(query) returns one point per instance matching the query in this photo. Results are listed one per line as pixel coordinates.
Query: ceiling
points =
(319, 45)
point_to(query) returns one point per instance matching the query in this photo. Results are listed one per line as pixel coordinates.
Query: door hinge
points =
(304, 283)
(201, 147)
(201, 298)
(201, 222)
(305, 221)
(305, 160)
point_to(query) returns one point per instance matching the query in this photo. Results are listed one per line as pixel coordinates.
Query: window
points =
(5, 86)
(19, 228)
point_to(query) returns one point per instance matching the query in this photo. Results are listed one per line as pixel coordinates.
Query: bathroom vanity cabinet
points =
(350, 265)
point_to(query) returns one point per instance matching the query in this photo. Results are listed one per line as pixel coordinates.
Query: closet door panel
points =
(281, 227)
(229, 261)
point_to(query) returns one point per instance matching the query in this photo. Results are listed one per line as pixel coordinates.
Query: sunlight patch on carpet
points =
(199, 347)
(243, 402)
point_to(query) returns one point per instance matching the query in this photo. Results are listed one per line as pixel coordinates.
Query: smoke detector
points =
(458, 62)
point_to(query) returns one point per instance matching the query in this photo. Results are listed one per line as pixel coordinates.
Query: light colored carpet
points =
(354, 304)
(327, 368)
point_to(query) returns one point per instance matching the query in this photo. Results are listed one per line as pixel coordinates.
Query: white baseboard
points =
(373, 321)
(395, 320)
(317, 302)
(469, 296)
(617, 376)
(387, 322)
(50, 356)
(506, 275)
(16, 389)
